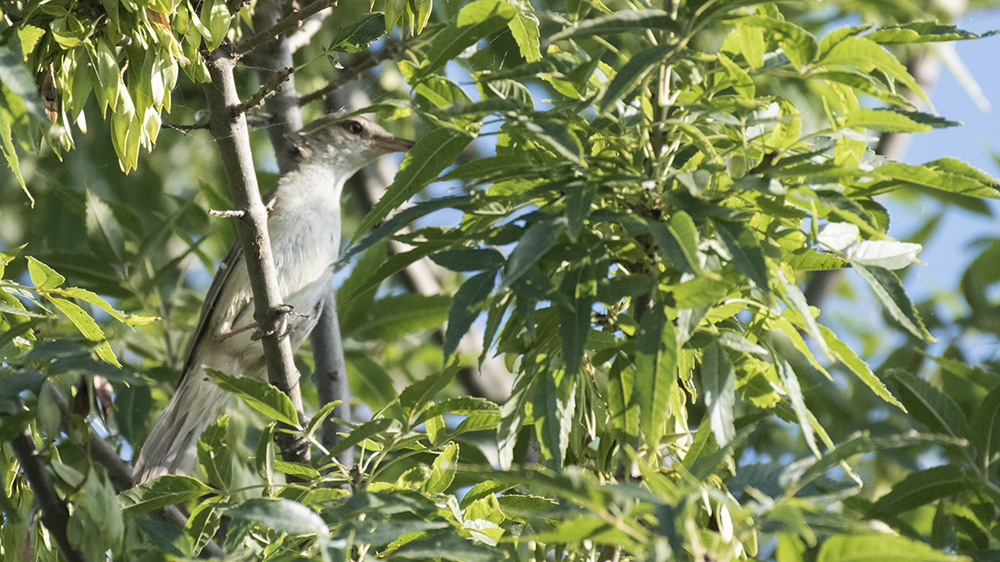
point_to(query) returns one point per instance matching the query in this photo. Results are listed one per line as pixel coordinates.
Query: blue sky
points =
(948, 253)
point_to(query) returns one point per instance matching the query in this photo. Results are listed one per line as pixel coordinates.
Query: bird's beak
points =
(394, 144)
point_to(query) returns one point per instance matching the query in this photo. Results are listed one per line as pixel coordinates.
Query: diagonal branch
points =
(369, 60)
(55, 514)
(229, 127)
(290, 22)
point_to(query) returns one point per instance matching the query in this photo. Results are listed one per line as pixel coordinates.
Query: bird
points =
(304, 227)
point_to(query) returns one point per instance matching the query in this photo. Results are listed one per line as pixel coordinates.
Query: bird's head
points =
(344, 143)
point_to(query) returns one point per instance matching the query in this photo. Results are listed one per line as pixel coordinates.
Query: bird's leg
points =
(236, 331)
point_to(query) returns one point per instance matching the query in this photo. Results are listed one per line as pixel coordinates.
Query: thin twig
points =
(185, 127)
(307, 30)
(289, 23)
(226, 214)
(370, 60)
(270, 87)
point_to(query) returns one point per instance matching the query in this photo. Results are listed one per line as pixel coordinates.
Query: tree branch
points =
(369, 60)
(119, 471)
(286, 24)
(229, 127)
(269, 88)
(331, 377)
(55, 515)
(286, 117)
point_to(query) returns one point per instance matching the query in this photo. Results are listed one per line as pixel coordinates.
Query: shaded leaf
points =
(919, 488)
(929, 405)
(421, 165)
(281, 515)
(620, 21)
(161, 492)
(890, 293)
(259, 395)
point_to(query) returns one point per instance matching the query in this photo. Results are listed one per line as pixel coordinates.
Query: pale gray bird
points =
(304, 227)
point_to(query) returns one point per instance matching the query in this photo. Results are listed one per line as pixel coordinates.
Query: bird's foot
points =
(281, 309)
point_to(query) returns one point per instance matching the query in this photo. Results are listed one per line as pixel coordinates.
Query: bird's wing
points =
(240, 299)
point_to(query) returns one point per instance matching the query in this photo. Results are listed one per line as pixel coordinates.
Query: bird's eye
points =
(353, 127)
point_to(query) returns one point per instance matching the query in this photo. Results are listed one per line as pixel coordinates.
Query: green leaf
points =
(394, 10)
(259, 395)
(421, 165)
(633, 73)
(468, 259)
(14, 75)
(534, 243)
(282, 515)
(846, 355)
(557, 137)
(214, 455)
(889, 291)
(43, 276)
(381, 533)
(7, 145)
(746, 251)
(869, 56)
(459, 406)
(718, 379)
(418, 394)
(574, 318)
(552, 403)
(881, 548)
(444, 545)
(396, 316)
(655, 372)
(215, 15)
(884, 121)
(947, 174)
(929, 405)
(68, 31)
(682, 229)
(797, 301)
(360, 433)
(986, 426)
(742, 82)
(87, 327)
(524, 29)
(466, 307)
(161, 492)
(922, 32)
(357, 35)
(623, 400)
(799, 45)
(794, 391)
(202, 525)
(475, 21)
(264, 459)
(442, 471)
(919, 488)
(622, 21)
(297, 470)
(91, 298)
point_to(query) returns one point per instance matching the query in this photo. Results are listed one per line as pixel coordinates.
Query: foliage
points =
(656, 185)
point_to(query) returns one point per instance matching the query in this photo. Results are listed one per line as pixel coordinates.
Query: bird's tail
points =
(172, 445)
